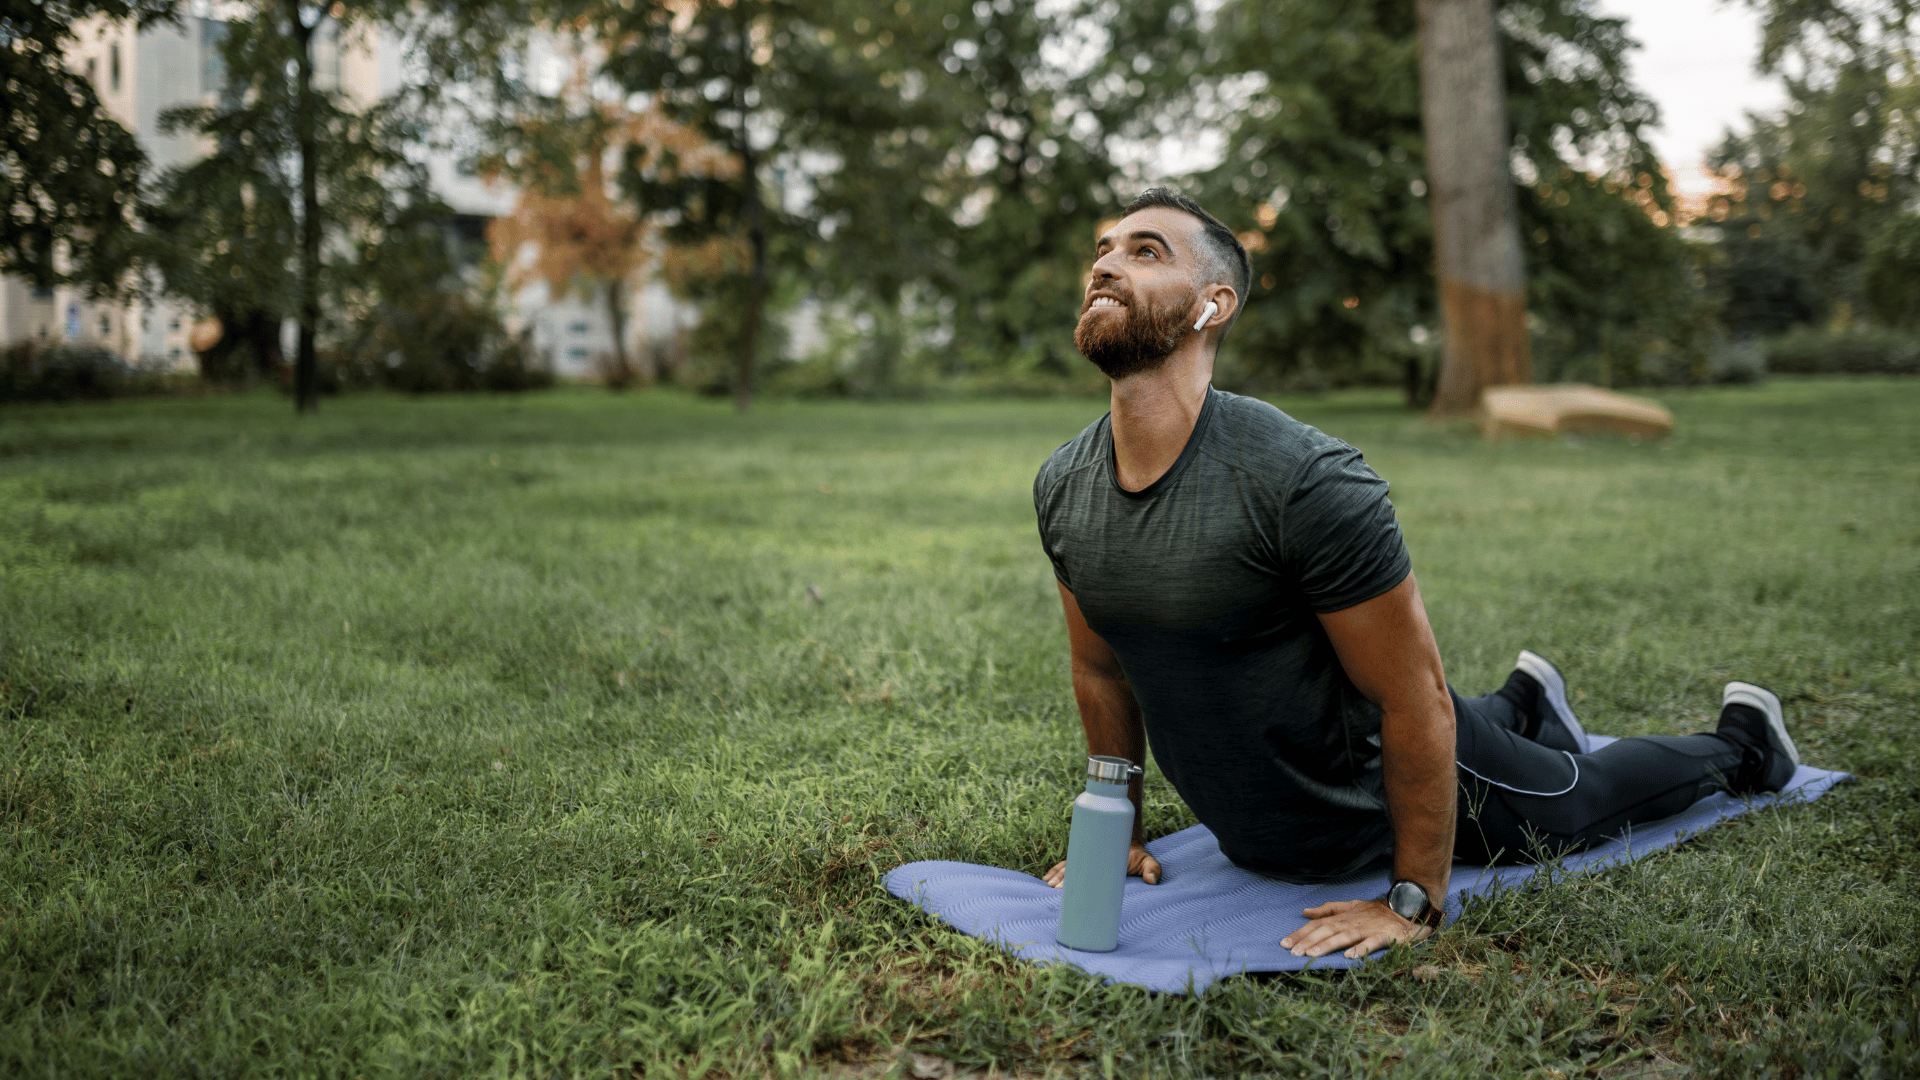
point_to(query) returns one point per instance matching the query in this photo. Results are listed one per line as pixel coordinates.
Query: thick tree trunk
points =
(1483, 282)
(306, 364)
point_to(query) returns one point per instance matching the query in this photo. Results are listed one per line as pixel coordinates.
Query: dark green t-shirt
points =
(1206, 584)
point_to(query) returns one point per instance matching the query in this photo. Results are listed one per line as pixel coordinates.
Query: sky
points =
(1696, 61)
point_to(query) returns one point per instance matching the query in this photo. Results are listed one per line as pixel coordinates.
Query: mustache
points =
(1125, 296)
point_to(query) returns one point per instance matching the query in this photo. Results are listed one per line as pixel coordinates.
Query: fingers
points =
(1139, 864)
(1357, 926)
(1372, 942)
(1143, 865)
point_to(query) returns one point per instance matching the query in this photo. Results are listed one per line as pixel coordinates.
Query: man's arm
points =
(1387, 649)
(1111, 718)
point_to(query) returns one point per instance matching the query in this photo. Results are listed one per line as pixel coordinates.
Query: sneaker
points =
(1541, 694)
(1751, 716)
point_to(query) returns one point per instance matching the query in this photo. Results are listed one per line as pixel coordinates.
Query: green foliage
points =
(398, 298)
(1325, 169)
(1817, 183)
(69, 173)
(1027, 164)
(1893, 273)
(935, 149)
(30, 371)
(499, 736)
(1858, 350)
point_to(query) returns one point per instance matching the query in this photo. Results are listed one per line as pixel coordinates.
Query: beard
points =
(1139, 337)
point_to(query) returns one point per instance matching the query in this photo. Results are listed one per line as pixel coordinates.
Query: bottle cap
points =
(1111, 770)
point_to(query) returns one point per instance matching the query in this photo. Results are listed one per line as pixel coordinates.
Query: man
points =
(1237, 593)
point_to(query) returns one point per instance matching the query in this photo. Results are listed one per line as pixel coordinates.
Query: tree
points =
(353, 164)
(1039, 103)
(1893, 273)
(221, 232)
(953, 153)
(1325, 168)
(69, 174)
(1807, 191)
(557, 151)
(1477, 254)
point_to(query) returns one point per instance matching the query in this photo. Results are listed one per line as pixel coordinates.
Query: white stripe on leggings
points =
(1524, 791)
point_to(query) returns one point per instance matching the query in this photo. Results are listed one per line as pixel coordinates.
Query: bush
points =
(30, 371)
(1893, 273)
(437, 340)
(1862, 350)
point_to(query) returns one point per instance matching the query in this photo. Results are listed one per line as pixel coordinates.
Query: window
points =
(174, 325)
(90, 69)
(113, 68)
(579, 328)
(106, 326)
(43, 292)
(576, 353)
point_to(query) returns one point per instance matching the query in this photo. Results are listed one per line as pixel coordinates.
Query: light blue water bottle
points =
(1097, 848)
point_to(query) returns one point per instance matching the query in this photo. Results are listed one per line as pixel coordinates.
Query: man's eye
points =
(1149, 253)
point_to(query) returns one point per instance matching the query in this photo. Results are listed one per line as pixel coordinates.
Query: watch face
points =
(1408, 900)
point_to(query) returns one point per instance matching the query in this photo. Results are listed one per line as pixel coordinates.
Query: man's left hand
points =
(1358, 926)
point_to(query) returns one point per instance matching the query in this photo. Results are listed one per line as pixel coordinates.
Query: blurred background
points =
(831, 197)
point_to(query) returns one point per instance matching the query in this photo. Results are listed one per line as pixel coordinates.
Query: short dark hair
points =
(1226, 260)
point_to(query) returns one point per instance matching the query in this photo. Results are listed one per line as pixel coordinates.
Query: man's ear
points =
(1226, 301)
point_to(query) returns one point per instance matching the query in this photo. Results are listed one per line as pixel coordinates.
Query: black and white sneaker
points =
(1751, 716)
(1537, 689)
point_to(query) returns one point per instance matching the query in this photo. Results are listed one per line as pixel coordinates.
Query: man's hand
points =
(1359, 926)
(1139, 864)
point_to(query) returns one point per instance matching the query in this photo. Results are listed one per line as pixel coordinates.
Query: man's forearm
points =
(1417, 752)
(1111, 719)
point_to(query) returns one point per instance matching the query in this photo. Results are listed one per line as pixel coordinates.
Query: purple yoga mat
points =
(1209, 918)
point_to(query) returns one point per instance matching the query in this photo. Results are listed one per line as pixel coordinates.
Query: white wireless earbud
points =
(1207, 314)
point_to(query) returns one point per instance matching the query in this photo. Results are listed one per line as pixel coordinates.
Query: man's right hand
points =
(1139, 864)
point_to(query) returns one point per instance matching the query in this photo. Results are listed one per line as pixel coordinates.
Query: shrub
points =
(30, 371)
(1862, 350)
(1893, 273)
(437, 340)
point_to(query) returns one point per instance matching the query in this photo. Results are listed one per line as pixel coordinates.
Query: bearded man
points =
(1237, 594)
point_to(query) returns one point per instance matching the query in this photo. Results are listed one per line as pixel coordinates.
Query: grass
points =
(499, 737)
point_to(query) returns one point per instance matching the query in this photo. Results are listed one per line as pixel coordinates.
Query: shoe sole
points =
(1548, 677)
(1763, 699)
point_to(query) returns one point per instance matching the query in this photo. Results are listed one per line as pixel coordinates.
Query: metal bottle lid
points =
(1111, 770)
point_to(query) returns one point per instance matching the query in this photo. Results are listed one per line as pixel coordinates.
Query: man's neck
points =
(1154, 413)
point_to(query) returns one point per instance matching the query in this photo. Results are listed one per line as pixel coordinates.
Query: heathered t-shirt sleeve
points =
(1043, 484)
(1341, 537)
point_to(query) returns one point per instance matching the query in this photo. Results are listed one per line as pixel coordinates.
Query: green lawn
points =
(491, 736)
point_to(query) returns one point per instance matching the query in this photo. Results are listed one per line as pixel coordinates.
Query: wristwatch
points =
(1410, 901)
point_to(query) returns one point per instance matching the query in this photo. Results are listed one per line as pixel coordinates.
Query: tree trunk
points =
(756, 280)
(1476, 236)
(306, 365)
(617, 321)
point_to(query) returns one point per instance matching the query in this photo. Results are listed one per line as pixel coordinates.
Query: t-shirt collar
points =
(1180, 463)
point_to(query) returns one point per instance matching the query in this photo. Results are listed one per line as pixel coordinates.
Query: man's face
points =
(1141, 293)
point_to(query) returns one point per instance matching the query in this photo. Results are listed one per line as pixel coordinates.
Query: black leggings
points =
(1520, 800)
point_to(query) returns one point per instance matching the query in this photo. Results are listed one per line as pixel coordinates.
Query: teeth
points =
(1105, 301)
